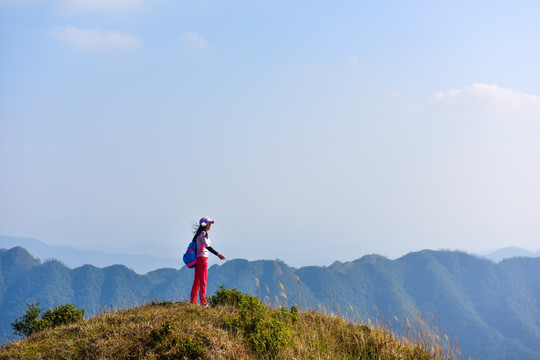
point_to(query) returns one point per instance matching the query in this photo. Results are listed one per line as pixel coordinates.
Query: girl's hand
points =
(221, 256)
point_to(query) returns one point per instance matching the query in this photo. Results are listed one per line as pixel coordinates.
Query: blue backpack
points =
(190, 257)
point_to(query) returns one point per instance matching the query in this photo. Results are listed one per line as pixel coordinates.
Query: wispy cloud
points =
(352, 59)
(194, 40)
(499, 98)
(490, 101)
(95, 40)
(98, 5)
(17, 2)
(84, 5)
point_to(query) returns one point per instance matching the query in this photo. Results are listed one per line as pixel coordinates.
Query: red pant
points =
(201, 276)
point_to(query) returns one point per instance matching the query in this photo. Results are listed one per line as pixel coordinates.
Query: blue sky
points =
(311, 131)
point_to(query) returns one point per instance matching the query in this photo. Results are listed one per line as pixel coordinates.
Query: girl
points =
(201, 268)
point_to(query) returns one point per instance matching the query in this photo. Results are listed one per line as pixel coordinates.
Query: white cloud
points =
(98, 5)
(493, 98)
(84, 5)
(18, 2)
(195, 40)
(95, 40)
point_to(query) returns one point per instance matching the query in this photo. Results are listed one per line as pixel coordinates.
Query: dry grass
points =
(126, 334)
(186, 331)
(325, 337)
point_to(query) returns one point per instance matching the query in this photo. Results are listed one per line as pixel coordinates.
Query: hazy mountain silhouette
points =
(136, 258)
(510, 252)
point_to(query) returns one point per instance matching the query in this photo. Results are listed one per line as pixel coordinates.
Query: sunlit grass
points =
(185, 331)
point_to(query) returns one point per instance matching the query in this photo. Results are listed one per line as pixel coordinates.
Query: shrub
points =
(63, 315)
(30, 322)
(265, 330)
(226, 296)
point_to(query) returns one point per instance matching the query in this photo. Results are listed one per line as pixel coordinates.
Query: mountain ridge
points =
(508, 253)
(143, 258)
(76, 257)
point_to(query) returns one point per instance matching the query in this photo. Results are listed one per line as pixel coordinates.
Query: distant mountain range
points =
(138, 258)
(493, 308)
(510, 252)
(143, 258)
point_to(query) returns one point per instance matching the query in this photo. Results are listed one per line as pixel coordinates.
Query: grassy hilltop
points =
(235, 326)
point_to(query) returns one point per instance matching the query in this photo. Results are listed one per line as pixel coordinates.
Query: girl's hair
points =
(197, 230)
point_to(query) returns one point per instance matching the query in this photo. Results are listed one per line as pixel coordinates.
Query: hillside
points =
(236, 326)
(494, 307)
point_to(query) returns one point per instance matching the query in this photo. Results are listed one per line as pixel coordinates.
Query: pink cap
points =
(205, 221)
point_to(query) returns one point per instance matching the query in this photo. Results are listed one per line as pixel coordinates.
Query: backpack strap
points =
(202, 248)
(199, 254)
